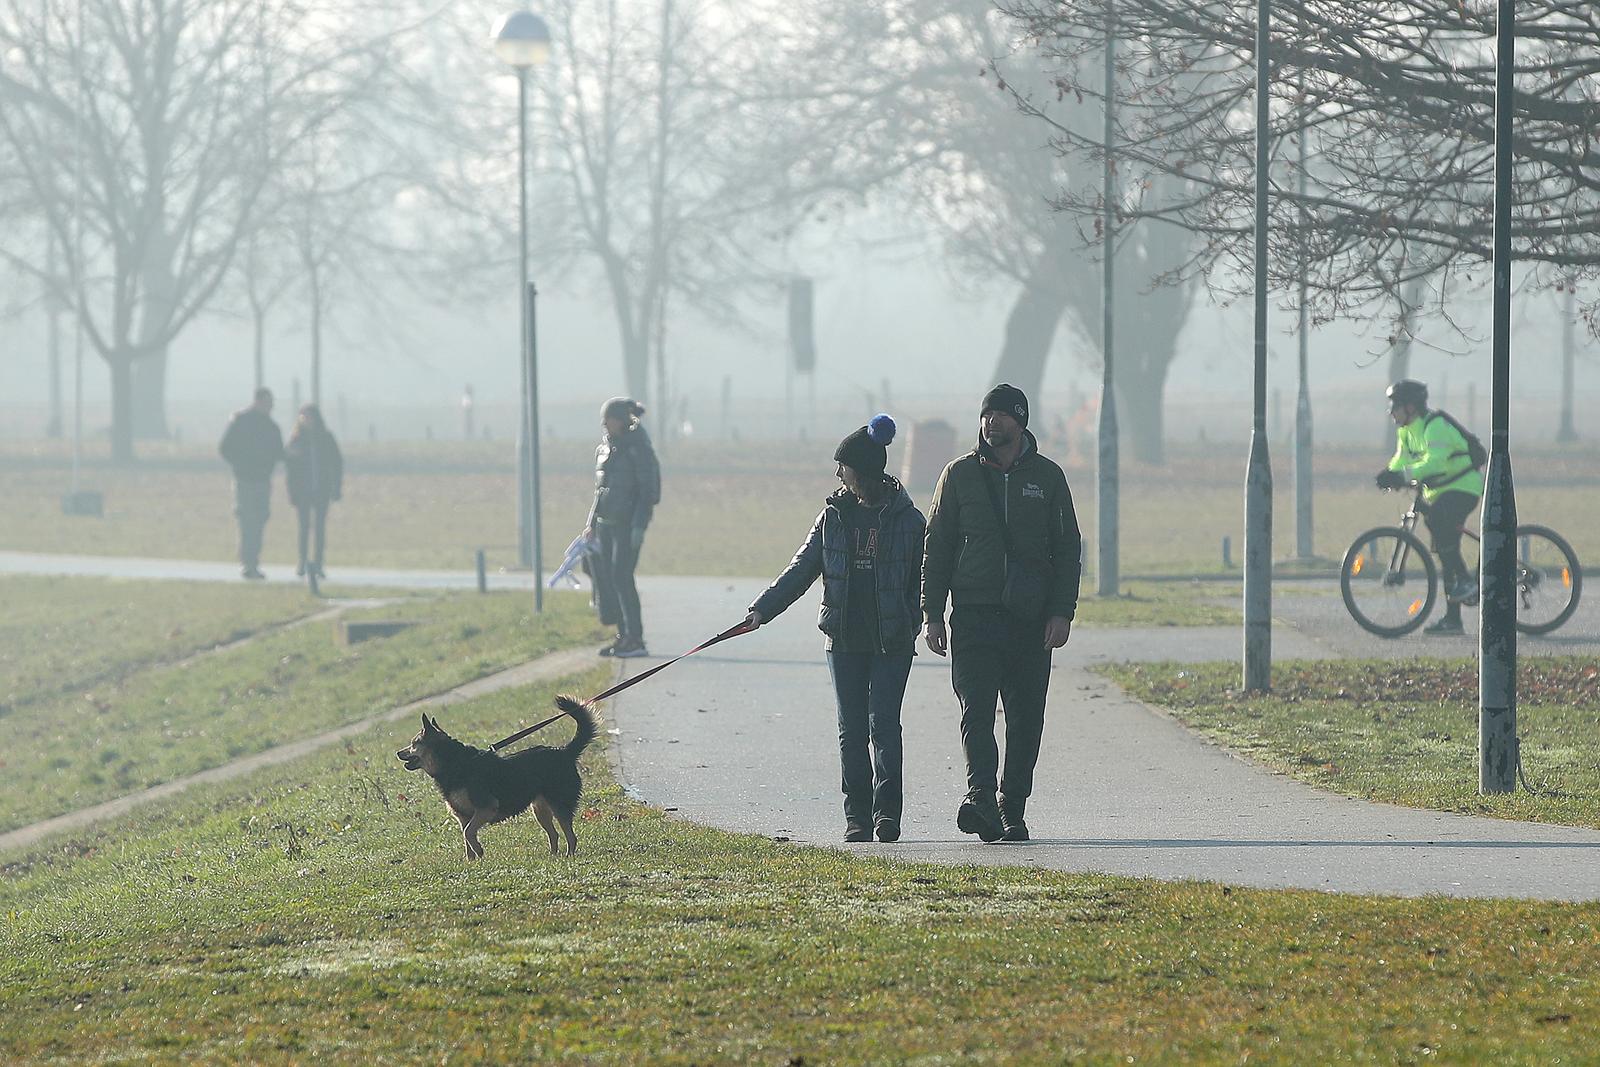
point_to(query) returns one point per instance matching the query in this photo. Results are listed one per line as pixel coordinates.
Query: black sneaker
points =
(1464, 590)
(611, 649)
(630, 649)
(855, 831)
(888, 831)
(253, 574)
(980, 815)
(300, 570)
(1445, 627)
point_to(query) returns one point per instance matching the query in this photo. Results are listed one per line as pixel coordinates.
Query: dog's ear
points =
(426, 725)
(435, 724)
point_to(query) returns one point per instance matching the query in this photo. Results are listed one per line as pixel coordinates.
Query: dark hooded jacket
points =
(314, 468)
(252, 445)
(827, 553)
(627, 480)
(965, 559)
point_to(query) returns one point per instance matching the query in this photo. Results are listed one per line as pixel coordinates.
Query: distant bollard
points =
(483, 573)
(1227, 552)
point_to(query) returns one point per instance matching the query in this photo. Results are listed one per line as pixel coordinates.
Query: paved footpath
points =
(744, 737)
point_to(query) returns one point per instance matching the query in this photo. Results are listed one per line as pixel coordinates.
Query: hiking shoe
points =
(1011, 819)
(611, 649)
(253, 574)
(631, 649)
(300, 570)
(1465, 589)
(888, 831)
(980, 815)
(1446, 626)
(855, 831)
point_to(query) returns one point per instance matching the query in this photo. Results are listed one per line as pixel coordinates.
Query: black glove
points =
(1388, 479)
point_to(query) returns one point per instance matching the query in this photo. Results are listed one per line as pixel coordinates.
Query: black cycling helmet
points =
(1408, 391)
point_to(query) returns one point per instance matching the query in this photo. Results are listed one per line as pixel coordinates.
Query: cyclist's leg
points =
(1445, 517)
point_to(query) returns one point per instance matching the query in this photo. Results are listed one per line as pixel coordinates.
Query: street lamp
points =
(522, 41)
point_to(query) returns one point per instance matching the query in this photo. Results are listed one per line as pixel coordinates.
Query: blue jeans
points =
(869, 688)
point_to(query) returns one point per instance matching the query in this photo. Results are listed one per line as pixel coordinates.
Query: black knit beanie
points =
(865, 451)
(1008, 399)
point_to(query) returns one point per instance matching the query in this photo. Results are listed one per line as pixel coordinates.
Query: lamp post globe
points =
(521, 39)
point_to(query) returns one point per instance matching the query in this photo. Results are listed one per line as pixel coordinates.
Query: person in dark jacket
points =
(252, 446)
(314, 469)
(866, 545)
(1001, 511)
(627, 488)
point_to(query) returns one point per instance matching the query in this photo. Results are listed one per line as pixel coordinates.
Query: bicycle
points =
(1390, 583)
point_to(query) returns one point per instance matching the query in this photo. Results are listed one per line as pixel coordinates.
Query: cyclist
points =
(1433, 451)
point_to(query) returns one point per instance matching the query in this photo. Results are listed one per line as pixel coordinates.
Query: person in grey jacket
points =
(627, 488)
(866, 545)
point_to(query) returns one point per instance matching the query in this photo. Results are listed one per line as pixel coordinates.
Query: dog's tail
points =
(584, 718)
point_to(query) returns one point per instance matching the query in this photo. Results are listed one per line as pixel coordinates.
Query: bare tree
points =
(1397, 104)
(137, 138)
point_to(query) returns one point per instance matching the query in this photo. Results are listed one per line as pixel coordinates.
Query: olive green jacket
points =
(964, 556)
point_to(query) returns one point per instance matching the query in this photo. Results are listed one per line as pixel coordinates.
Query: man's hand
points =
(1056, 631)
(1388, 479)
(636, 538)
(937, 640)
(754, 619)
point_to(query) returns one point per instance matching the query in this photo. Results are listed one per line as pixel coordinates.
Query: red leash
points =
(732, 631)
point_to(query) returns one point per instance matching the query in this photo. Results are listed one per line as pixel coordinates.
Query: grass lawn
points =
(64, 634)
(323, 910)
(1401, 732)
(112, 733)
(735, 510)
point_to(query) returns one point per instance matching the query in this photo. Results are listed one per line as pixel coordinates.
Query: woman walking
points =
(315, 470)
(627, 488)
(866, 545)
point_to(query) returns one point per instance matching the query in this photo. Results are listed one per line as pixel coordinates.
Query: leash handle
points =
(733, 631)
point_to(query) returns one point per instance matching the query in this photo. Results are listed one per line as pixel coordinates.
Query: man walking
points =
(1003, 545)
(252, 445)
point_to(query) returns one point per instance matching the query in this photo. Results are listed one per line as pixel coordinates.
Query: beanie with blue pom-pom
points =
(866, 449)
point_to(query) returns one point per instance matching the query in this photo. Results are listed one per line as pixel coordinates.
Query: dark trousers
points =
(869, 688)
(994, 656)
(252, 503)
(1445, 517)
(313, 518)
(616, 594)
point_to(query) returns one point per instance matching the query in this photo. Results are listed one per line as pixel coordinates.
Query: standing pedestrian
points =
(252, 446)
(627, 488)
(314, 469)
(1003, 545)
(866, 545)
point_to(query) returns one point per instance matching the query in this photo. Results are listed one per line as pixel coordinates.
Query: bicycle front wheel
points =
(1549, 580)
(1389, 581)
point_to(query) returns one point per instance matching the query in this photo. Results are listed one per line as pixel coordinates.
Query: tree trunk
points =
(121, 363)
(1030, 331)
(149, 396)
(1141, 396)
(636, 365)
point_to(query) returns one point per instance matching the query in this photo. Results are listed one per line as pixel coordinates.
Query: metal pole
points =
(1497, 629)
(1303, 538)
(78, 288)
(1258, 478)
(524, 445)
(531, 298)
(1569, 317)
(1106, 508)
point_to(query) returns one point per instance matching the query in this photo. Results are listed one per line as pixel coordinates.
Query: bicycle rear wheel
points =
(1388, 581)
(1549, 580)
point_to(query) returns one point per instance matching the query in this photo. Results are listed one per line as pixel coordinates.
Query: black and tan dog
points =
(483, 787)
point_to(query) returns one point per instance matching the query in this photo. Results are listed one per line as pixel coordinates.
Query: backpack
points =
(1476, 453)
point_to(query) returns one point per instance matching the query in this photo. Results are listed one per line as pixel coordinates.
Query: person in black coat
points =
(315, 473)
(627, 488)
(252, 446)
(866, 546)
